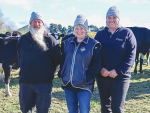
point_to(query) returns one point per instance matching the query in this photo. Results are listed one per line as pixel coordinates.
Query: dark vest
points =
(77, 62)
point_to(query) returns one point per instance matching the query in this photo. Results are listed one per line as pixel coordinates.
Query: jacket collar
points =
(107, 29)
(74, 40)
(29, 36)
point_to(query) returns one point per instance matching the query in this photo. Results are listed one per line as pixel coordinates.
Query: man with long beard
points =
(38, 56)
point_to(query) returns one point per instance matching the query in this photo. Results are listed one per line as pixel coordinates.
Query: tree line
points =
(59, 28)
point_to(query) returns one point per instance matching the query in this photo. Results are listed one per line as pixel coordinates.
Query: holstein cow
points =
(147, 52)
(142, 36)
(57, 35)
(8, 57)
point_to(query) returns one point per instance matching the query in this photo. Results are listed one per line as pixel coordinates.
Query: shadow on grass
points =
(139, 90)
(145, 75)
(60, 95)
(57, 82)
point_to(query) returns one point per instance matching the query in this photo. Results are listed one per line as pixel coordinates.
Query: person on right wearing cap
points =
(80, 63)
(118, 54)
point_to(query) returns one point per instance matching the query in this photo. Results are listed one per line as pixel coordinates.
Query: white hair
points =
(38, 34)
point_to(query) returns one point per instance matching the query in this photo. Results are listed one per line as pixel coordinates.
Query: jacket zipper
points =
(113, 33)
(73, 62)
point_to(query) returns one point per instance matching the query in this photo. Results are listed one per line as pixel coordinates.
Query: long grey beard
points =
(38, 35)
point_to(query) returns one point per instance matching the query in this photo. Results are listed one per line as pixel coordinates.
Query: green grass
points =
(137, 101)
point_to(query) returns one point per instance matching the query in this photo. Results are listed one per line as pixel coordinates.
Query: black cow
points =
(3, 35)
(16, 33)
(66, 36)
(8, 59)
(142, 36)
(8, 33)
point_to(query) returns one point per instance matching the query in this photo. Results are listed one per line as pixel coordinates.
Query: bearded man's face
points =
(37, 30)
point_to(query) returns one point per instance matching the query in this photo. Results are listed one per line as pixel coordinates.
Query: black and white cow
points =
(147, 56)
(57, 35)
(142, 36)
(8, 59)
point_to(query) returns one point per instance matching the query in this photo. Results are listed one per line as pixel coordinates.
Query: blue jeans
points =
(112, 95)
(74, 98)
(31, 95)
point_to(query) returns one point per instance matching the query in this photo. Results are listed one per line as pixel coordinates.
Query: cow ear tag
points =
(82, 49)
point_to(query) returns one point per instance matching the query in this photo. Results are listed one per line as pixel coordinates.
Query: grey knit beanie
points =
(113, 11)
(36, 15)
(81, 20)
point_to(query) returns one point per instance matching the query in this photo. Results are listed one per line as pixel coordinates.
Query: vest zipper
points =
(73, 62)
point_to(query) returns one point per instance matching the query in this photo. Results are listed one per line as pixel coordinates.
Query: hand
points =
(104, 72)
(113, 73)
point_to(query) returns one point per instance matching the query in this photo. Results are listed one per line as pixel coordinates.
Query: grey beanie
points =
(81, 20)
(36, 15)
(113, 11)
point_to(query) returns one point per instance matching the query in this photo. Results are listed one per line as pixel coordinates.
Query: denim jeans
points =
(112, 95)
(78, 101)
(31, 95)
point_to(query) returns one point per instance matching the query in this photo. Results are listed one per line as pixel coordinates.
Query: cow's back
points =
(142, 36)
(8, 48)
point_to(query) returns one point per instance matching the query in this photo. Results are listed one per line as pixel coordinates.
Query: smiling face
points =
(37, 24)
(112, 22)
(80, 32)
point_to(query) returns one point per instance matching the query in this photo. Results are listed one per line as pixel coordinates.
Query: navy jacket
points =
(118, 51)
(36, 65)
(77, 63)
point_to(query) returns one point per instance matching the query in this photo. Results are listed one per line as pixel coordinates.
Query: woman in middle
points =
(80, 64)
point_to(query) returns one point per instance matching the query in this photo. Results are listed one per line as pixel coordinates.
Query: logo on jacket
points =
(119, 39)
(82, 49)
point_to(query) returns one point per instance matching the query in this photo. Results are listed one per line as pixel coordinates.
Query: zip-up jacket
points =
(37, 65)
(77, 63)
(118, 51)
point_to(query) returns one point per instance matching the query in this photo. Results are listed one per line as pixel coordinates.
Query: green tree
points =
(56, 28)
(101, 28)
(70, 29)
(51, 28)
(93, 28)
(64, 30)
(60, 27)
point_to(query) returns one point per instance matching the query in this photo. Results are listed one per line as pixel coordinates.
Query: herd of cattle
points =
(8, 52)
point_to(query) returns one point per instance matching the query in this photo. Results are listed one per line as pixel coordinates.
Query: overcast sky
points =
(132, 12)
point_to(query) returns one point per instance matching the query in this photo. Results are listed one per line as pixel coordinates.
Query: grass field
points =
(137, 101)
